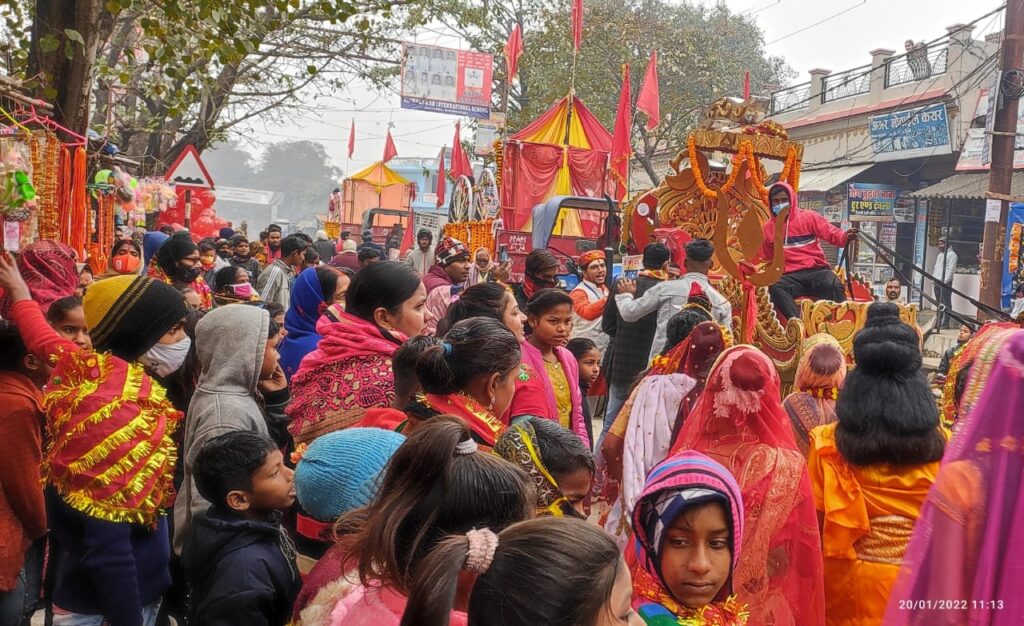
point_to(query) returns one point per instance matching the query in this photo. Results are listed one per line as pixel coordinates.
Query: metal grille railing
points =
(918, 64)
(793, 98)
(846, 84)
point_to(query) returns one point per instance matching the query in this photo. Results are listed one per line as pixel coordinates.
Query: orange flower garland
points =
(477, 234)
(790, 171)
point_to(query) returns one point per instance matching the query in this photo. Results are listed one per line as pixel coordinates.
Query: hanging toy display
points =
(17, 193)
(487, 200)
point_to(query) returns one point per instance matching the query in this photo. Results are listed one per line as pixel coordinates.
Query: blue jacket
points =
(239, 571)
(107, 568)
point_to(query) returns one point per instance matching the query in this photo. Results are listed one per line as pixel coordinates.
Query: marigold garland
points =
(790, 171)
(476, 234)
(822, 393)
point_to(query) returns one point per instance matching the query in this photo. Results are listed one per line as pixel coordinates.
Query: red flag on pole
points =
(460, 162)
(513, 50)
(648, 99)
(746, 85)
(621, 146)
(352, 139)
(390, 151)
(577, 24)
(440, 179)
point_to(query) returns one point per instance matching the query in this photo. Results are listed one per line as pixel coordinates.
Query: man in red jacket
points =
(806, 273)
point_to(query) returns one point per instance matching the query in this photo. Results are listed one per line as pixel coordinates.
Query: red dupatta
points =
(739, 422)
(484, 424)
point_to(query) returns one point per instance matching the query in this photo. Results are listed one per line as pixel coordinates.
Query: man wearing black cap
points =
(669, 297)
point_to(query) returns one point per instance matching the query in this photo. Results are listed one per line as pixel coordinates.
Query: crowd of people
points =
(247, 432)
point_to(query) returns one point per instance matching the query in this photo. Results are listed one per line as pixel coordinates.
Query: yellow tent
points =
(376, 186)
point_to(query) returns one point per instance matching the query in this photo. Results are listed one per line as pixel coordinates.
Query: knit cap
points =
(339, 472)
(127, 315)
(450, 250)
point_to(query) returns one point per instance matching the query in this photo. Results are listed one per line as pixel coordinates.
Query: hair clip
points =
(300, 451)
(466, 447)
(447, 348)
(483, 544)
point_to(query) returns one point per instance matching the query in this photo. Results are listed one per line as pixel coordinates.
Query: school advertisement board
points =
(446, 80)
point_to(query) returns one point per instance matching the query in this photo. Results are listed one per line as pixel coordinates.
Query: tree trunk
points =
(66, 82)
(644, 156)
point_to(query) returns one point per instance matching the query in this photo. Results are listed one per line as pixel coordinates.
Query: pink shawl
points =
(377, 607)
(347, 374)
(533, 358)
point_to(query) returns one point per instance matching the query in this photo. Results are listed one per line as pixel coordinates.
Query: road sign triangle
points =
(189, 171)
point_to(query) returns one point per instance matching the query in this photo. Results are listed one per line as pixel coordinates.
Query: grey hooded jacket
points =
(230, 342)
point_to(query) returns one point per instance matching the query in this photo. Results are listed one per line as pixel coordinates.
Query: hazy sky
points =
(832, 34)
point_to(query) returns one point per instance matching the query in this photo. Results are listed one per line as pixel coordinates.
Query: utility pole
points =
(1004, 134)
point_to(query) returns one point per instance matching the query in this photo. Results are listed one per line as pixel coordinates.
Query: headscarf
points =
(536, 262)
(820, 374)
(739, 421)
(111, 272)
(49, 270)
(519, 445)
(165, 266)
(699, 352)
(476, 275)
(967, 542)
(307, 305)
(151, 242)
(977, 356)
(679, 483)
(347, 374)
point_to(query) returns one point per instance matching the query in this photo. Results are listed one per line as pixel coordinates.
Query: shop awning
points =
(829, 177)
(970, 185)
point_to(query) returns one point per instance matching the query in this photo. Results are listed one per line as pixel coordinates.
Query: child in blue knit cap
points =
(338, 472)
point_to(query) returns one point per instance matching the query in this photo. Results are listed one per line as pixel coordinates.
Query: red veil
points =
(739, 422)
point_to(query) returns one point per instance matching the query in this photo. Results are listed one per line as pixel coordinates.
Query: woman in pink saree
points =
(965, 562)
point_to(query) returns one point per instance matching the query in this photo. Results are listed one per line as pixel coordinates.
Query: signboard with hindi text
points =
(446, 80)
(869, 202)
(921, 132)
(976, 148)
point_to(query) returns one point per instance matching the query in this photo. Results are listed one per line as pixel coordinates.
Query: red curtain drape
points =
(528, 175)
(531, 169)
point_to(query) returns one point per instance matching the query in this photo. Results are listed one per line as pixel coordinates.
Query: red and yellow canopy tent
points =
(563, 152)
(376, 186)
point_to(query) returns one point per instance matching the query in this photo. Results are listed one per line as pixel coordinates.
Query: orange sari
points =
(869, 514)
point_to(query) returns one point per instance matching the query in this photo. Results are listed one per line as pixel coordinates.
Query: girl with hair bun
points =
(872, 470)
(498, 302)
(471, 374)
(545, 571)
(438, 483)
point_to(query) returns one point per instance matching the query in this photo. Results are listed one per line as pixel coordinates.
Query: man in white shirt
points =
(945, 268)
(668, 297)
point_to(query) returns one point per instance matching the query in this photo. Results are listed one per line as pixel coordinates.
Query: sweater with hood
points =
(803, 231)
(230, 342)
(240, 571)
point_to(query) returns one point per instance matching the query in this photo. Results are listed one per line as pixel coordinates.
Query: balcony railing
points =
(846, 84)
(919, 64)
(793, 98)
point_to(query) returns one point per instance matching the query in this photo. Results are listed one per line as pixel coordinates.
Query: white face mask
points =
(164, 359)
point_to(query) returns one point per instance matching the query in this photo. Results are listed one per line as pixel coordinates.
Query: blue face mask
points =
(779, 208)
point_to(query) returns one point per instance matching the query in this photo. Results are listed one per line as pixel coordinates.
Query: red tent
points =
(562, 152)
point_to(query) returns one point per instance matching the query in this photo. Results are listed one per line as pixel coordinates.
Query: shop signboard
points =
(974, 154)
(829, 204)
(903, 211)
(920, 132)
(870, 202)
(446, 80)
